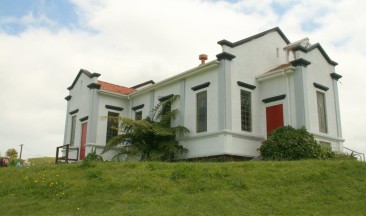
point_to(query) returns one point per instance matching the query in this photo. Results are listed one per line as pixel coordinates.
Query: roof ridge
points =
(312, 47)
(253, 37)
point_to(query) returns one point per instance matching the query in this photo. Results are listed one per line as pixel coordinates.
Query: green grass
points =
(148, 188)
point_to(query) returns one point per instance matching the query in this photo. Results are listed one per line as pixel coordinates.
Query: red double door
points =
(84, 126)
(274, 116)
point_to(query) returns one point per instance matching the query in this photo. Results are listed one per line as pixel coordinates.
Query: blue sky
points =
(44, 43)
(56, 14)
(62, 14)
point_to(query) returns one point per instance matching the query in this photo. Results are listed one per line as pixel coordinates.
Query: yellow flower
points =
(78, 209)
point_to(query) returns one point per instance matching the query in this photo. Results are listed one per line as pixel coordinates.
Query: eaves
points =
(194, 71)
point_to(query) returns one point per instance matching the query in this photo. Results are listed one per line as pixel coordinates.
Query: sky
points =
(44, 44)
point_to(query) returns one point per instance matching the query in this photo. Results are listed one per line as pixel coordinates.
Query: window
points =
(138, 115)
(112, 125)
(322, 112)
(166, 107)
(202, 111)
(73, 125)
(246, 110)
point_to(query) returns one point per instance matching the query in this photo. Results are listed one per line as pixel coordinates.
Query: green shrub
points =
(288, 143)
(93, 156)
(326, 152)
(12, 153)
(344, 156)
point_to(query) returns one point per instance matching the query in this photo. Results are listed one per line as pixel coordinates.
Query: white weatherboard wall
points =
(254, 58)
(247, 61)
(212, 100)
(319, 72)
(139, 100)
(80, 99)
(103, 114)
(172, 88)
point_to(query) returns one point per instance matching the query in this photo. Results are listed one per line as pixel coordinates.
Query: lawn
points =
(151, 188)
(42, 160)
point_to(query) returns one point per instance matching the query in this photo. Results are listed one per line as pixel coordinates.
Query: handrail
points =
(356, 153)
(66, 157)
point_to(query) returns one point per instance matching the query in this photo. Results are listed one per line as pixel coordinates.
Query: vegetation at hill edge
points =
(321, 187)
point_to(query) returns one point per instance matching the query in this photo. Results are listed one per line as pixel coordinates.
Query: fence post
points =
(67, 154)
(56, 156)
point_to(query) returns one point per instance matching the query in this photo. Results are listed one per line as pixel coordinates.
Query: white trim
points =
(196, 70)
(214, 155)
(323, 136)
(275, 74)
(296, 43)
(108, 93)
(223, 132)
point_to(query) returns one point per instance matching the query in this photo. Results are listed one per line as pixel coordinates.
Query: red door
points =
(274, 117)
(83, 140)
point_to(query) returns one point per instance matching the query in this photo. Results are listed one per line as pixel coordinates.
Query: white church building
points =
(229, 104)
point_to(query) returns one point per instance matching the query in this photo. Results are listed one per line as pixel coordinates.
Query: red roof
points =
(280, 67)
(115, 88)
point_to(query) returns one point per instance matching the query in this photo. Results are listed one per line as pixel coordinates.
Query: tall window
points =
(112, 125)
(322, 112)
(166, 107)
(73, 125)
(202, 111)
(246, 110)
(138, 115)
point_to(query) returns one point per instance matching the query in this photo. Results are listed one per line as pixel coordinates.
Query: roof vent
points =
(203, 58)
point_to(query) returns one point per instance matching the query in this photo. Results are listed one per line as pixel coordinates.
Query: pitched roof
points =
(280, 67)
(321, 50)
(115, 88)
(276, 29)
(83, 71)
(143, 84)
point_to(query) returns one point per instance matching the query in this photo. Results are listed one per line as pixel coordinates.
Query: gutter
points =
(275, 74)
(199, 69)
(103, 92)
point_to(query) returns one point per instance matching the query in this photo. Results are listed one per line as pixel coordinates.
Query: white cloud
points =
(127, 40)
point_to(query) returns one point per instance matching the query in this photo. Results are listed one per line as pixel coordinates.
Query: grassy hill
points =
(147, 188)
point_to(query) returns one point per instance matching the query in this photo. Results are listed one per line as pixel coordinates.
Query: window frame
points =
(110, 133)
(138, 114)
(201, 112)
(322, 112)
(246, 125)
(73, 130)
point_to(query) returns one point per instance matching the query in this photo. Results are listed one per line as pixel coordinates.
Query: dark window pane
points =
(138, 115)
(246, 110)
(202, 111)
(112, 125)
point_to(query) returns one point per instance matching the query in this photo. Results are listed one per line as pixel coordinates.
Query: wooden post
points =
(56, 156)
(67, 153)
(21, 150)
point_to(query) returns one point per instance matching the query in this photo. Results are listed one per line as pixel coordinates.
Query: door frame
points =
(84, 129)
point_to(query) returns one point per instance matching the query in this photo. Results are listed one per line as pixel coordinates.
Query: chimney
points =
(203, 58)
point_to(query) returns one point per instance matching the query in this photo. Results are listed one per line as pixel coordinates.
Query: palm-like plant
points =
(152, 138)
